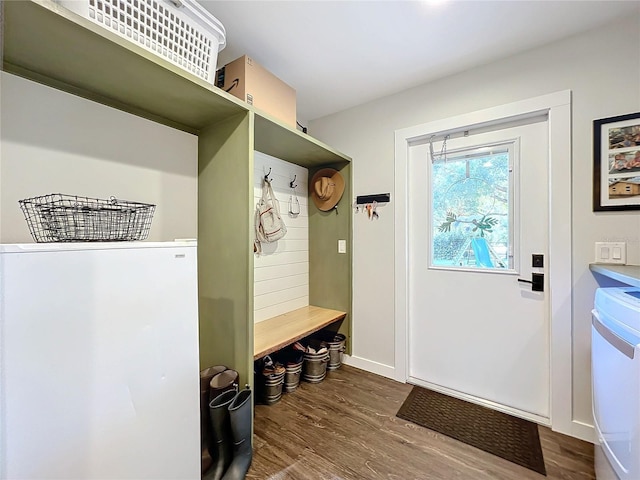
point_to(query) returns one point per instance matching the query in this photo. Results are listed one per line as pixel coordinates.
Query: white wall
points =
(281, 271)
(600, 67)
(54, 142)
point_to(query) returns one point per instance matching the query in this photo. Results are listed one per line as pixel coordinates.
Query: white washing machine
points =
(615, 367)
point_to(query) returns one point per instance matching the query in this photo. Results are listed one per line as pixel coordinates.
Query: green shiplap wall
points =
(329, 271)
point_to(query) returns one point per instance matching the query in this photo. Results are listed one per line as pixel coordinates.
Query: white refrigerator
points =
(99, 369)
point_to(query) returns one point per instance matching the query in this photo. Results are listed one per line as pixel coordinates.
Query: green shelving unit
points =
(46, 43)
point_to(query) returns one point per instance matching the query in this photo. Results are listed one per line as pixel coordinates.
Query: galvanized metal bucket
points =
(336, 351)
(292, 376)
(272, 391)
(315, 367)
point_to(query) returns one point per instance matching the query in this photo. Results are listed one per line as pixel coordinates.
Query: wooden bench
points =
(277, 332)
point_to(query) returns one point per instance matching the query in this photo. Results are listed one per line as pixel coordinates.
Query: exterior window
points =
(472, 208)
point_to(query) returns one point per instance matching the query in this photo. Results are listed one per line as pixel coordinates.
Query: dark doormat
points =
(511, 438)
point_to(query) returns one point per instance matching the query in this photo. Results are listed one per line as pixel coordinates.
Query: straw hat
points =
(327, 187)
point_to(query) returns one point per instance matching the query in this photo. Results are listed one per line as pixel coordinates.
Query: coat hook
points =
(291, 185)
(266, 177)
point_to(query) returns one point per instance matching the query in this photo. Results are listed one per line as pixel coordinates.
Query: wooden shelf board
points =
(291, 145)
(277, 332)
(52, 45)
(46, 43)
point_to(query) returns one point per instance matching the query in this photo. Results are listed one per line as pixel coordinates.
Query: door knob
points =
(537, 282)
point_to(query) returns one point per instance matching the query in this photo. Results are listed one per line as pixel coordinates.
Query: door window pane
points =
(471, 208)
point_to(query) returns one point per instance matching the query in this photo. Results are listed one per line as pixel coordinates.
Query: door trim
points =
(558, 108)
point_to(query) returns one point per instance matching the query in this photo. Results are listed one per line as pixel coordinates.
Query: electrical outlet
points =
(611, 252)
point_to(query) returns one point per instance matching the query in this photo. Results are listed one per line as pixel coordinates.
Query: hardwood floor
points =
(345, 428)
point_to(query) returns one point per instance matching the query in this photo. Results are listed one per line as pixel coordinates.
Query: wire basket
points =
(71, 218)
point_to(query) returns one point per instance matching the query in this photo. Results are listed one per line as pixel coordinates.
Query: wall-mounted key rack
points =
(378, 197)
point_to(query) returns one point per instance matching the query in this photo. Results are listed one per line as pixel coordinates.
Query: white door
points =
(477, 211)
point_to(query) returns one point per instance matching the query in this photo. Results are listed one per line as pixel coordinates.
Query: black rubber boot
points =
(205, 421)
(240, 415)
(220, 445)
(223, 382)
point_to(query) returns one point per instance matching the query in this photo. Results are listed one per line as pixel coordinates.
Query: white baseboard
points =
(370, 366)
(580, 430)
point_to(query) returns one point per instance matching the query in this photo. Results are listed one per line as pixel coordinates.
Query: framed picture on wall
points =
(616, 163)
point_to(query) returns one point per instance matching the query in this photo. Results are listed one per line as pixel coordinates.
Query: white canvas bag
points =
(269, 224)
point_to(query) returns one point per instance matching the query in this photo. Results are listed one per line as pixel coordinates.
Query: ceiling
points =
(338, 54)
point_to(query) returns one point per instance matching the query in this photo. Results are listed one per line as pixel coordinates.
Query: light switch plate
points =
(611, 252)
(342, 246)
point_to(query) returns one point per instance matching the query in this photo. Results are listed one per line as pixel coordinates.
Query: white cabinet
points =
(99, 361)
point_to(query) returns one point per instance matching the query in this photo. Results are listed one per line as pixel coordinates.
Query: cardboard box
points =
(250, 82)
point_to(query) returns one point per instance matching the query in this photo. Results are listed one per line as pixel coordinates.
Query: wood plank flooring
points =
(345, 428)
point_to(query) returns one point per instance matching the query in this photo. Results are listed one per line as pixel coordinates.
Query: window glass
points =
(471, 209)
